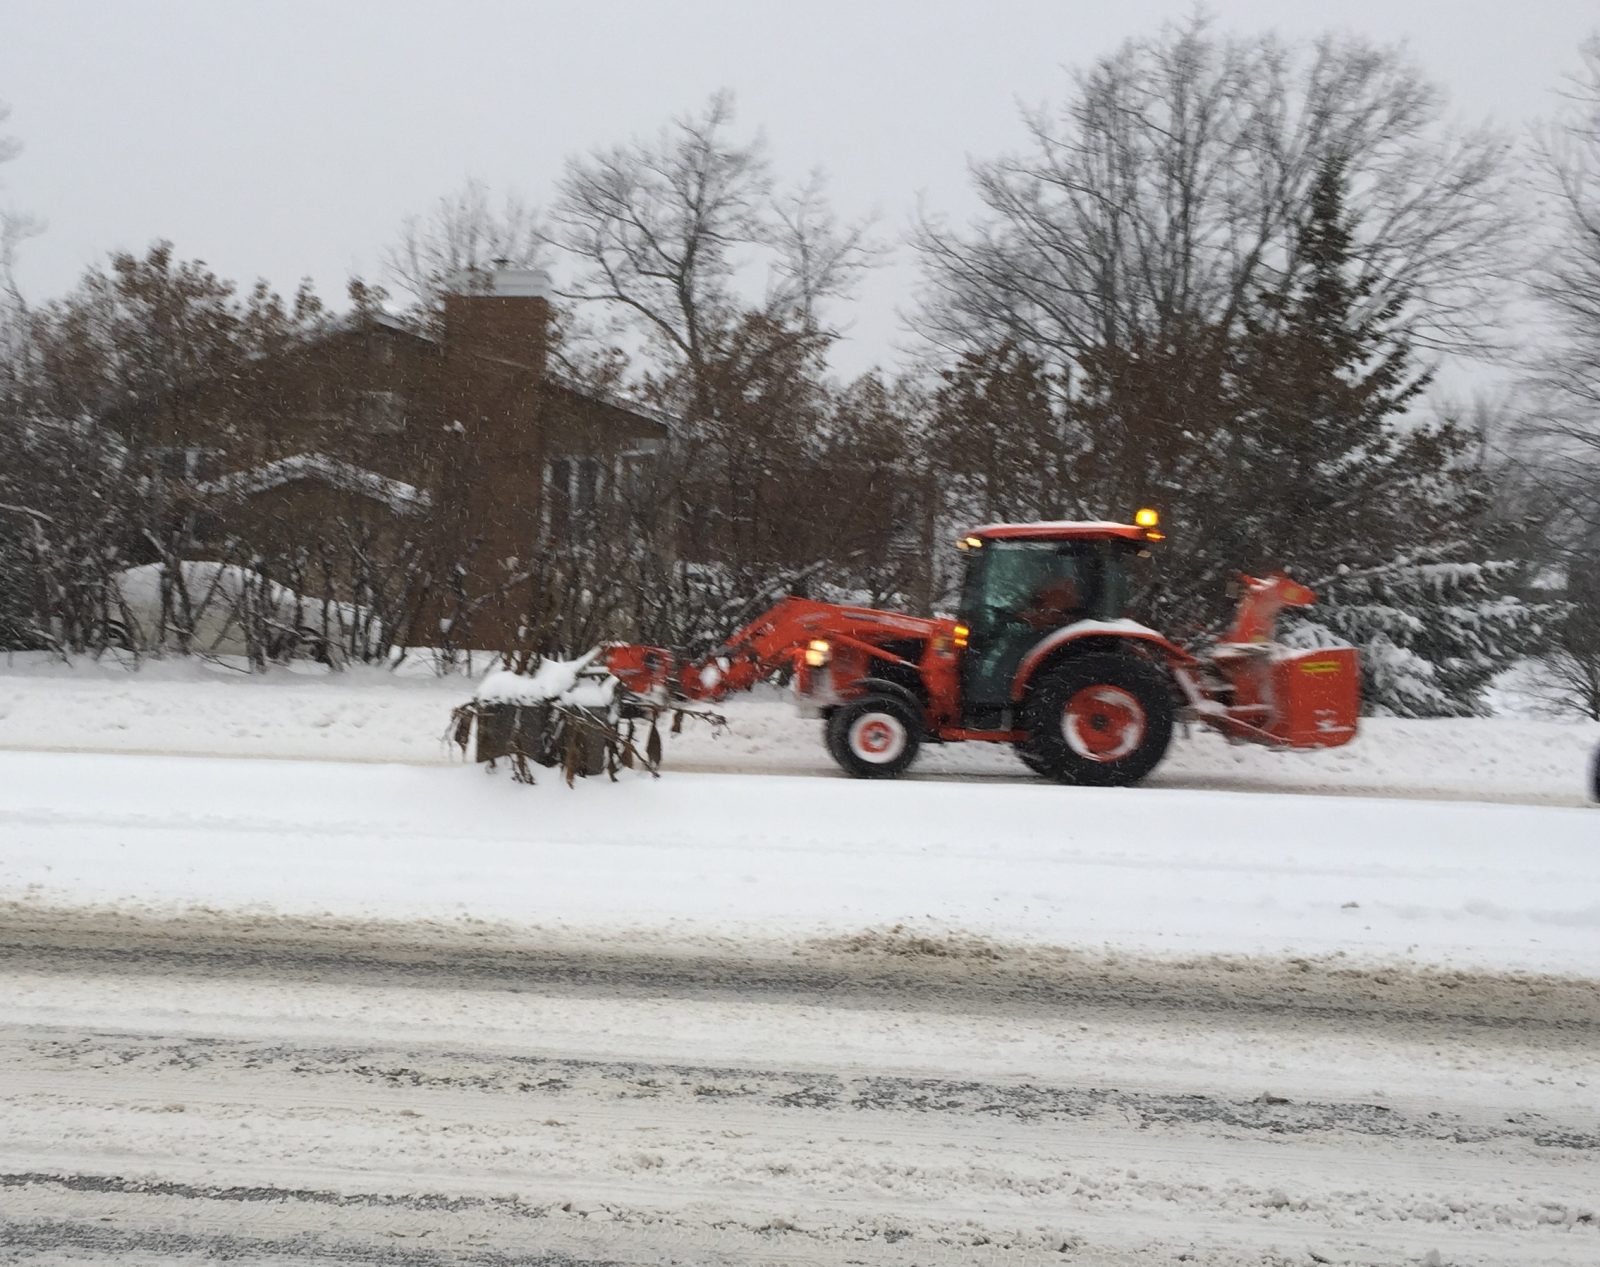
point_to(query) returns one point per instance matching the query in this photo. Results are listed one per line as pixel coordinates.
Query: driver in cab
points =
(1054, 603)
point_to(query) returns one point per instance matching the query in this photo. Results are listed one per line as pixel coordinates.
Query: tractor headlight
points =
(818, 653)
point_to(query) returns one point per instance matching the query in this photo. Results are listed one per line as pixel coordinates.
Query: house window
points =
(634, 475)
(182, 462)
(381, 410)
(585, 484)
(557, 496)
(572, 487)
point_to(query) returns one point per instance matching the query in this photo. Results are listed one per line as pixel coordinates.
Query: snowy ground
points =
(364, 1006)
(270, 1091)
(759, 856)
(375, 716)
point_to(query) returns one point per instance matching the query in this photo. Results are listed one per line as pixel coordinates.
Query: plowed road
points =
(273, 1091)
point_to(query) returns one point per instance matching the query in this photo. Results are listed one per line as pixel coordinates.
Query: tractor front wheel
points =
(1100, 720)
(874, 737)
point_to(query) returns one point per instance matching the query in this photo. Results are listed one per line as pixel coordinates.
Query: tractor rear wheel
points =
(1100, 720)
(874, 737)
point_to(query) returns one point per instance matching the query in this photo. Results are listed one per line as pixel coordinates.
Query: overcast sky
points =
(283, 139)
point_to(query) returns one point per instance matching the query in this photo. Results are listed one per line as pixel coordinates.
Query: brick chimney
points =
(504, 314)
(496, 346)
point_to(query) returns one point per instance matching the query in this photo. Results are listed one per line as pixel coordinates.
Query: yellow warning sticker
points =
(1320, 666)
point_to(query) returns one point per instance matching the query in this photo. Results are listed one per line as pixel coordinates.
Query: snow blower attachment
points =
(1296, 699)
(1040, 656)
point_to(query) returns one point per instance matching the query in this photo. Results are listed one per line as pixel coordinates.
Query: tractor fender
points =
(1061, 640)
(878, 686)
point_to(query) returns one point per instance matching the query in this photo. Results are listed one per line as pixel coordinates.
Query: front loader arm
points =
(754, 653)
(771, 642)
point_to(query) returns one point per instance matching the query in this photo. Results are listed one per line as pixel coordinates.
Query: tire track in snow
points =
(761, 1088)
(161, 1137)
(51, 1242)
(890, 970)
(764, 1088)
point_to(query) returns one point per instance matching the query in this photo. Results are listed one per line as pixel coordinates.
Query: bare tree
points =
(22, 522)
(1226, 264)
(688, 244)
(1168, 188)
(15, 227)
(683, 234)
(1552, 459)
(464, 232)
(1569, 677)
(1566, 376)
(149, 369)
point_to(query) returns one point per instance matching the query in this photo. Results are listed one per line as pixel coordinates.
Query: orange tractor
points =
(1040, 656)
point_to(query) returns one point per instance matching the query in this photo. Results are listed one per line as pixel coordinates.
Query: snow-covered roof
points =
(402, 498)
(615, 399)
(354, 322)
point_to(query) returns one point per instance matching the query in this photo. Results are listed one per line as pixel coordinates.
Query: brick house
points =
(461, 434)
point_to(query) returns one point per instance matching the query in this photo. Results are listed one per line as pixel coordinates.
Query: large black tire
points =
(1098, 720)
(874, 737)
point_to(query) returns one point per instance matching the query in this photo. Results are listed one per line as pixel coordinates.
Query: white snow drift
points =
(754, 857)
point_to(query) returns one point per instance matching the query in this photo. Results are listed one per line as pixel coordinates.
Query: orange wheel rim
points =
(1103, 723)
(877, 738)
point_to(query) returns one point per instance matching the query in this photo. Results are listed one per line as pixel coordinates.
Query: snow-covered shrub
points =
(213, 608)
(1431, 635)
(571, 715)
(1567, 678)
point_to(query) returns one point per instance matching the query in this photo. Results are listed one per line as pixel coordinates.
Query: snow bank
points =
(365, 714)
(742, 856)
(187, 706)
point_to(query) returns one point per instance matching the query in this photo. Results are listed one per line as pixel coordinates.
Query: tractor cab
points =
(1024, 581)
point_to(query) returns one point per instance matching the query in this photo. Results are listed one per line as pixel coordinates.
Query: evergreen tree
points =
(1385, 516)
